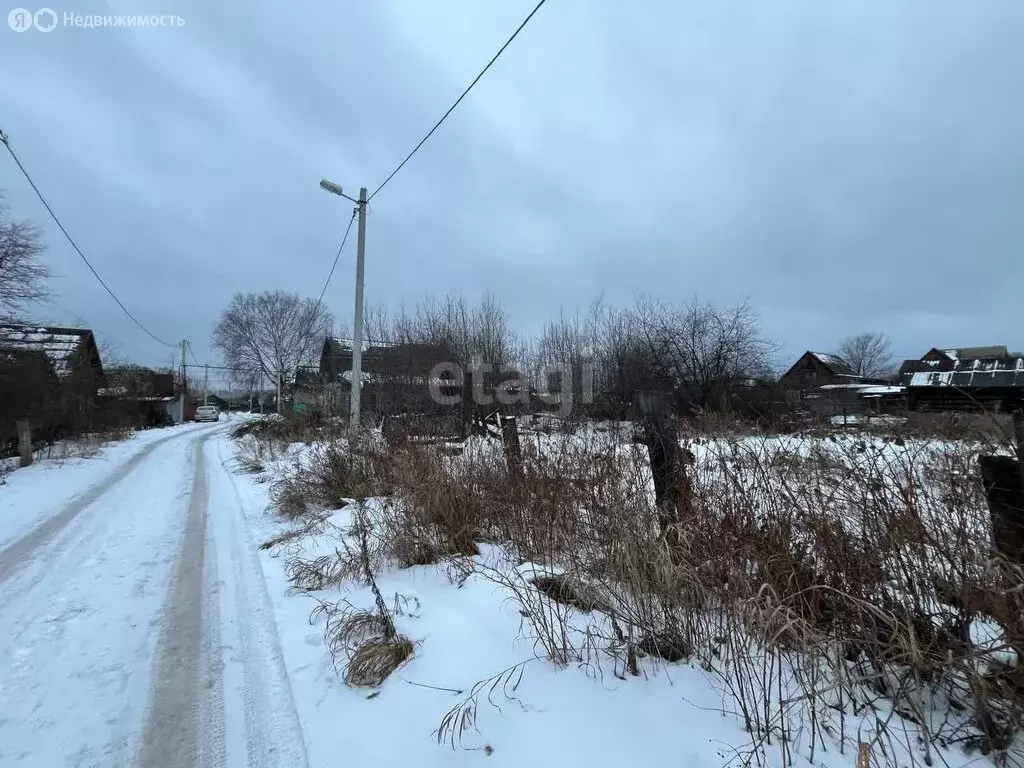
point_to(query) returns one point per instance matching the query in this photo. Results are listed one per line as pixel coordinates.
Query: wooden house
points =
(49, 375)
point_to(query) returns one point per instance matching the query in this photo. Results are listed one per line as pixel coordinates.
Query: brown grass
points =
(832, 548)
(374, 660)
(820, 580)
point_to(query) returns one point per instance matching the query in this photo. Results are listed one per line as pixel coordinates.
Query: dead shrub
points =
(282, 538)
(362, 625)
(339, 472)
(313, 526)
(827, 550)
(292, 495)
(321, 572)
(374, 660)
(250, 456)
(440, 510)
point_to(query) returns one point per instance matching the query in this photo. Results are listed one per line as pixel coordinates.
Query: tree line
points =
(700, 352)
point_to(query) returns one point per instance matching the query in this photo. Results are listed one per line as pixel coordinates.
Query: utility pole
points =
(184, 344)
(280, 377)
(261, 393)
(357, 341)
(206, 384)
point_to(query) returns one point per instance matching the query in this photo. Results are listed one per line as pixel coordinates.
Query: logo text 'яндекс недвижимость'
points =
(47, 19)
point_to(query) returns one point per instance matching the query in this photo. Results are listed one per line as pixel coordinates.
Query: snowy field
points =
(483, 681)
(470, 638)
(161, 611)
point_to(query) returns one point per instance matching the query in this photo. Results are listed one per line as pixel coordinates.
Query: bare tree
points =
(272, 332)
(869, 354)
(22, 273)
(700, 350)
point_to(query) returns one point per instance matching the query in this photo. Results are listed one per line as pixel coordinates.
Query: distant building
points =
(818, 369)
(49, 375)
(827, 385)
(395, 377)
(139, 397)
(965, 379)
(966, 353)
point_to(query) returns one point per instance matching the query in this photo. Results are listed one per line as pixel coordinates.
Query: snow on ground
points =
(137, 625)
(79, 611)
(32, 494)
(465, 635)
(470, 636)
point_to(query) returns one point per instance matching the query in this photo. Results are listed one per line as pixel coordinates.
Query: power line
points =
(458, 100)
(316, 309)
(3, 139)
(335, 264)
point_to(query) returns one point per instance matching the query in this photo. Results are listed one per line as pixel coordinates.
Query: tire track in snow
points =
(272, 730)
(82, 617)
(22, 550)
(172, 735)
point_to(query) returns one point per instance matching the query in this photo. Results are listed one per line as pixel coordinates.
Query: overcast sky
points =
(847, 166)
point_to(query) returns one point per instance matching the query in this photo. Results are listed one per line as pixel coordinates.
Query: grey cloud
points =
(847, 166)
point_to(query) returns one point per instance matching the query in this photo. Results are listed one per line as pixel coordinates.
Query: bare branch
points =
(271, 332)
(22, 273)
(869, 354)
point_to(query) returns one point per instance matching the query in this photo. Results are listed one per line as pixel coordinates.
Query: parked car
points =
(207, 413)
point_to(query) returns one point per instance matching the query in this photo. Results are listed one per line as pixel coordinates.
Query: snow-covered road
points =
(137, 627)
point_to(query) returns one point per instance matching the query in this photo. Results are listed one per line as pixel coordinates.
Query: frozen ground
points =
(471, 637)
(144, 626)
(467, 635)
(137, 628)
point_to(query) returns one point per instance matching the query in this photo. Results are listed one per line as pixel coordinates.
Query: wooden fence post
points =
(662, 441)
(24, 443)
(467, 404)
(510, 440)
(1004, 491)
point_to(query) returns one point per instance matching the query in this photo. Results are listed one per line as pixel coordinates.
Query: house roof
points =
(389, 359)
(138, 382)
(972, 353)
(58, 344)
(834, 363)
(972, 374)
(881, 391)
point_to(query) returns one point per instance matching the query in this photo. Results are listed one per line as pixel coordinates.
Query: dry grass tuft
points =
(340, 471)
(283, 538)
(568, 590)
(313, 526)
(292, 496)
(374, 660)
(325, 571)
(359, 626)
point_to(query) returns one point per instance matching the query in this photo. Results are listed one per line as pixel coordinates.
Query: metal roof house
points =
(413, 362)
(964, 379)
(395, 377)
(819, 369)
(965, 385)
(966, 353)
(71, 353)
(49, 375)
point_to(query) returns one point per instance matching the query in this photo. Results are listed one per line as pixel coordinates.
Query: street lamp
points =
(357, 335)
(334, 189)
